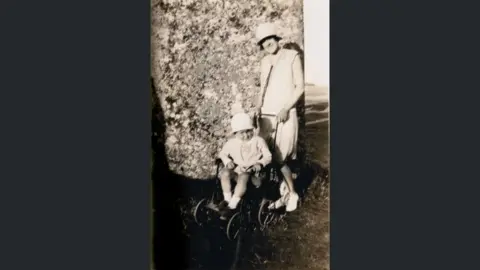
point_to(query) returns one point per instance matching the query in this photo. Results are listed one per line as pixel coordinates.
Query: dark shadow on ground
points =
(177, 245)
(169, 243)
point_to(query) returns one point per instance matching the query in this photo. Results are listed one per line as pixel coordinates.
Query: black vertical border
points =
(403, 138)
(75, 134)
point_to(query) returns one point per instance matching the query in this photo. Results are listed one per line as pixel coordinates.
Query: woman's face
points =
(270, 45)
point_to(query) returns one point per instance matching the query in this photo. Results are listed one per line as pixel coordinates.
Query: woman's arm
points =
(298, 81)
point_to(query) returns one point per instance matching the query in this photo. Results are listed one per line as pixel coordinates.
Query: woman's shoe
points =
(292, 202)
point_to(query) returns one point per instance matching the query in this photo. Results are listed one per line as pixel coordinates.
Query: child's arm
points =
(266, 155)
(225, 153)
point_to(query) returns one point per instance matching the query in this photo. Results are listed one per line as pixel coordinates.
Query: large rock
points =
(200, 51)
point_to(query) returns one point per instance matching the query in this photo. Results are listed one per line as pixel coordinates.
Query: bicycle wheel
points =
(233, 226)
(265, 216)
(200, 212)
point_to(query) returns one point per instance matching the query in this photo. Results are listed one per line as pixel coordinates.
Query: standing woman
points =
(282, 84)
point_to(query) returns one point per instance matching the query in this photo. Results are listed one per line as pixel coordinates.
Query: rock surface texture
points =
(204, 58)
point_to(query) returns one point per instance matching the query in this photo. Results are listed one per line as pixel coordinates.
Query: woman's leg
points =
(288, 176)
(280, 158)
(286, 149)
(240, 189)
(292, 196)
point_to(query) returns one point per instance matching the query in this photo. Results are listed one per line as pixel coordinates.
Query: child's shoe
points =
(233, 202)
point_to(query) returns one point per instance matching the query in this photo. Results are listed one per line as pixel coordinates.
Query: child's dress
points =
(245, 153)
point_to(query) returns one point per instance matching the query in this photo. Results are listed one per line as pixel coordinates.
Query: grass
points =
(301, 240)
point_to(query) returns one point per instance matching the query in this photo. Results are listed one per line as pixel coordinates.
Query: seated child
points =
(242, 155)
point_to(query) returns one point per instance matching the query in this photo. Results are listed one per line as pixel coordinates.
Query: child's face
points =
(244, 135)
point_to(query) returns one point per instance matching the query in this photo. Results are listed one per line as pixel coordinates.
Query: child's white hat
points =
(241, 121)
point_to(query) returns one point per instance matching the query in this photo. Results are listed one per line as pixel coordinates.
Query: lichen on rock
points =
(200, 49)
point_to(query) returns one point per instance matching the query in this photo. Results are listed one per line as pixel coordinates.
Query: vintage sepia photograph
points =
(240, 134)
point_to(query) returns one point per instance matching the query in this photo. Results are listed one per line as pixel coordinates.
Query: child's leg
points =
(225, 182)
(240, 189)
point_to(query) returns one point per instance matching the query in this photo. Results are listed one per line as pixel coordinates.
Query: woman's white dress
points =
(280, 78)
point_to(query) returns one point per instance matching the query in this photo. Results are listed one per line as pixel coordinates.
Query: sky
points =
(316, 37)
